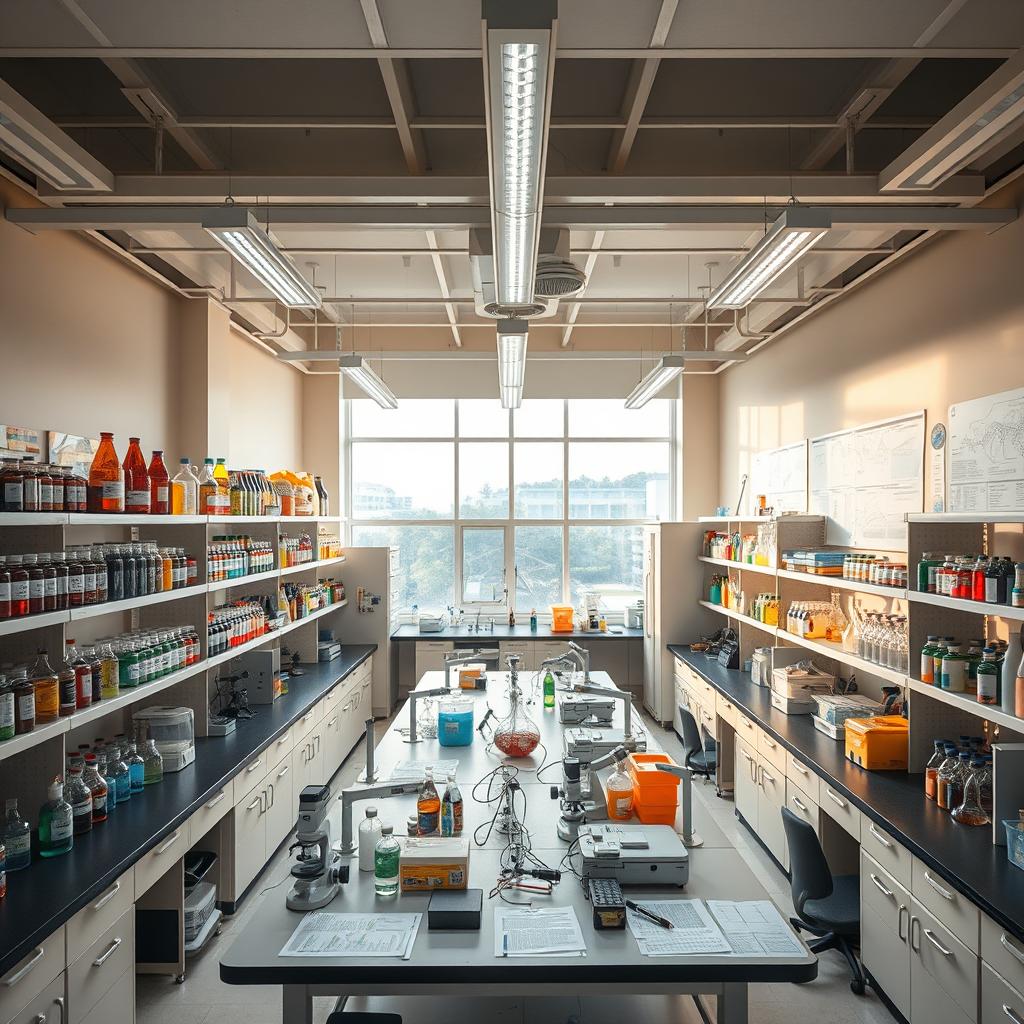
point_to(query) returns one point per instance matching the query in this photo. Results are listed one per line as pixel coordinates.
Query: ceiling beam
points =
(398, 85)
(638, 89)
(588, 269)
(442, 283)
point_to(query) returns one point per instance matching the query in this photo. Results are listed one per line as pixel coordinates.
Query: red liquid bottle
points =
(137, 495)
(106, 478)
(159, 486)
(19, 586)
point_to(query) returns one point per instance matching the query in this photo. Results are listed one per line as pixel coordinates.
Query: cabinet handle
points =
(799, 767)
(770, 743)
(60, 1004)
(899, 921)
(272, 795)
(13, 979)
(216, 800)
(330, 724)
(767, 775)
(170, 842)
(253, 766)
(797, 802)
(910, 933)
(837, 799)
(930, 936)
(255, 802)
(111, 949)
(283, 772)
(944, 893)
(881, 888)
(306, 717)
(1011, 948)
(878, 835)
(107, 896)
(746, 755)
(1015, 1017)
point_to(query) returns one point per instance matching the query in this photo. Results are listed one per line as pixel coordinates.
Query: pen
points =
(644, 912)
(504, 944)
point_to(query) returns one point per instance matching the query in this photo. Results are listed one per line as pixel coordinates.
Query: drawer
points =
(29, 977)
(281, 746)
(154, 865)
(93, 920)
(771, 750)
(801, 804)
(947, 961)
(95, 971)
(896, 859)
(118, 1005)
(1003, 952)
(725, 709)
(251, 776)
(953, 909)
(709, 721)
(329, 701)
(806, 778)
(305, 725)
(705, 691)
(1000, 1003)
(839, 808)
(48, 1006)
(683, 672)
(210, 813)
(883, 894)
(746, 729)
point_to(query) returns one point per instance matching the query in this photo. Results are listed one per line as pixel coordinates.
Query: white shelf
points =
(33, 518)
(289, 569)
(90, 611)
(40, 734)
(836, 652)
(237, 581)
(959, 604)
(964, 702)
(838, 583)
(8, 627)
(133, 695)
(130, 519)
(138, 519)
(727, 563)
(966, 517)
(739, 617)
(795, 518)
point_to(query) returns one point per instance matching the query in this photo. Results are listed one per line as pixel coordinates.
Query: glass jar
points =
(971, 811)
(517, 734)
(619, 795)
(153, 763)
(47, 694)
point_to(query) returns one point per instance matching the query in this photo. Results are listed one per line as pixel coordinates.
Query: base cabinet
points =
(771, 798)
(745, 791)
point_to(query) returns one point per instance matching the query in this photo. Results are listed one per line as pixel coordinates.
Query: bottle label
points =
(99, 802)
(83, 808)
(112, 490)
(428, 821)
(987, 687)
(60, 828)
(76, 583)
(19, 590)
(27, 707)
(138, 498)
(46, 494)
(18, 845)
(31, 495)
(14, 497)
(953, 674)
(50, 587)
(35, 589)
(5, 592)
(6, 711)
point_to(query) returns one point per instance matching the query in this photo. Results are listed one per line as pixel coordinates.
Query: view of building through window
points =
(488, 507)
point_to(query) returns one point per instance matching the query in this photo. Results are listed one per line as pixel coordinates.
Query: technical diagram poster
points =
(986, 454)
(781, 475)
(866, 480)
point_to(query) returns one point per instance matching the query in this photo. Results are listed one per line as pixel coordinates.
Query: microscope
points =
(318, 871)
(576, 808)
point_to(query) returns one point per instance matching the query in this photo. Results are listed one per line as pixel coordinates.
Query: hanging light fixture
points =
(783, 244)
(356, 369)
(668, 368)
(512, 339)
(518, 54)
(238, 231)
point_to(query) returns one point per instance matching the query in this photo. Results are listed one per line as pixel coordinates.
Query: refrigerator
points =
(672, 586)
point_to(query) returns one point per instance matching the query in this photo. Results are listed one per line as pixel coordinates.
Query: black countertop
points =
(503, 631)
(964, 856)
(44, 895)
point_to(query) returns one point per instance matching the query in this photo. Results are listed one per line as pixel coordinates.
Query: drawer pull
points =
(832, 796)
(800, 768)
(770, 743)
(253, 766)
(797, 802)
(330, 724)
(767, 775)
(216, 800)
(930, 936)
(746, 755)
(306, 717)
(107, 896)
(170, 842)
(878, 835)
(284, 771)
(899, 922)
(881, 888)
(944, 893)
(59, 1001)
(255, 802)
(1015, 1017)
(1004, 939)
(111, 949)
(13, 979)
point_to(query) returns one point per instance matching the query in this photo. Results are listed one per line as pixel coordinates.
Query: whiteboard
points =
(986, 454)
(867, 479)
(781, 475)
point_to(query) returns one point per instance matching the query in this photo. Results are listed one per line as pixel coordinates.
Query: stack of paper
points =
(358, 935)
(694, 931)
(413, 771)
(547, 931)
(755, 928)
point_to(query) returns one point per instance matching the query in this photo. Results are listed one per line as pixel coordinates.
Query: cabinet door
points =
(279, 815)
(118, 1005)
(250, 839)
(333, 738)
(47, 1006)
(430, 656)
(524, 648)
(771, 799)
(746, 788)
(318, 775)
(885, 931)
(943, 972)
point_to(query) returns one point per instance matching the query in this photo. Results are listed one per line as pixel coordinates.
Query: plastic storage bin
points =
(655, 793)
(455, 722)
(561, 618)
(879, 743)
(1014, 842)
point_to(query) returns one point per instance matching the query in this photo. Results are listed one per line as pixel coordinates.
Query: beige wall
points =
(945, 326)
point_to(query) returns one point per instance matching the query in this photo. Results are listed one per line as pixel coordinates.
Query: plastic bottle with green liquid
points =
(549, 689)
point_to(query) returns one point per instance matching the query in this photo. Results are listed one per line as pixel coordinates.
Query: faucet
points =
(583, 656)
(350, 796)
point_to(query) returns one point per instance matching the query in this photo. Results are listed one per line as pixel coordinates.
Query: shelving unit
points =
(959, 604)
(962, 702)
(835, 651)
(838, 583)
(739, 617)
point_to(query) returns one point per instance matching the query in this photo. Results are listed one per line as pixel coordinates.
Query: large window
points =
(489, 507)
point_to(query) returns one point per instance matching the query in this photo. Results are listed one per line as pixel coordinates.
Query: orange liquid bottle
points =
(159, 486)
(136, 479)
(106, 478)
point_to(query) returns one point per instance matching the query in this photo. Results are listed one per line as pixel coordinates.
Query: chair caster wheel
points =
(857, 987)
(179, 979)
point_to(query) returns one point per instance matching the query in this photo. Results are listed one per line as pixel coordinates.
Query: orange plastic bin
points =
(561, 618)
(655, 794)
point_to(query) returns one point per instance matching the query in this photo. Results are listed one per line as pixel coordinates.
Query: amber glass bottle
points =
(136, 479)
(106, 478)
(159, 486)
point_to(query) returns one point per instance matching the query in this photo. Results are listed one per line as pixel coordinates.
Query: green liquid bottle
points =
(549, 689)
(56, 828)
(386, 856)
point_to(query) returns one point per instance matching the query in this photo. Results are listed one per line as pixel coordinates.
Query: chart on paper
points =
(986, 453)
(781, 476)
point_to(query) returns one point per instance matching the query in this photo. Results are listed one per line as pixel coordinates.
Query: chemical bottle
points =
(159, 486)
(136, 769)
(970, 810)
(74, 661)
(1018, 689)
(619, 795)
(184, 487)
(45, 687)
(949, 765)
(137, 494)
(369, 833)
(533, 620)
(106, 478)
(97, 787)
(386, 856)
(56, 830)
(549, 689)
(153, 763)
(988, 689)
(931, 769)
(6, 709)
(428, 806)
(79, 796)
(220, 471)
(17, 838)
(451, 809)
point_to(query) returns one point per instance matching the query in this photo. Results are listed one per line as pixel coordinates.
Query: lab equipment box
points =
(433, 862)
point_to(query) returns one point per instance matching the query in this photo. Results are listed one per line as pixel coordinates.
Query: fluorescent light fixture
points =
(668, 368)
(785, 242)
(37, 143)
(517, 77)
(512, 338)
(236, 228)
(980, 121)
(355, 368)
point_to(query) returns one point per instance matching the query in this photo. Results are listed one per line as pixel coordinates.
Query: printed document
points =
(756, 928)
(547, 931)
(413, 771)
(694, 930)
(356, 935)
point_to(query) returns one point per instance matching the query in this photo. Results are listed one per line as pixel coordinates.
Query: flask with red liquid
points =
(136, 479)
(106, 478)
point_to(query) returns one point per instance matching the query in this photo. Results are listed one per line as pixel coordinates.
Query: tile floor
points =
(204, 999)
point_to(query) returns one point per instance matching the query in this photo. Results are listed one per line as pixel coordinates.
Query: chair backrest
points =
(810, 876)
(691, 734)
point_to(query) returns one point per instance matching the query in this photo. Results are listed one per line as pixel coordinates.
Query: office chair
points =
(700, 758)
(827, 906)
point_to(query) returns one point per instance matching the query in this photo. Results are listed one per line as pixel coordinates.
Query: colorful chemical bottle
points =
(137, 494)
(56, 829)
(24, 705)
(12, 486)
(386, 856)
(220, 471)
(943, 781)
(17, 838)
(106, 478)
(78, 794)
(931, 769)
(954, 669)
(451, 809)
(97, 787)
(428, 806)
(136, 770)
(184, 488)
(45, 687)
(6, 709)
(159, 486)
(549, 689)
(988, 678)
(74, 662)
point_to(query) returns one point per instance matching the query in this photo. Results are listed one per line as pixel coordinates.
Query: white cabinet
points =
(771, 798)
(46, 1006)
(885, 931)
(943, 972)
(99, 966)
(24, 982)
(746, 788)
(280, 804)
(430, 656)
(802, 805)
(250, 834)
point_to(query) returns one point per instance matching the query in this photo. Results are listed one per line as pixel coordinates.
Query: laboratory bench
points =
(128, 854)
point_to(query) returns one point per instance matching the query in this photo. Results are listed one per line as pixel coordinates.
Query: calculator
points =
(608, 903)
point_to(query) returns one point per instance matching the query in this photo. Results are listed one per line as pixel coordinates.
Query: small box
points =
(878, 744)
(792, 705)
(470, 675)
(562, 618)
(766, 659)
(836, 708)
(433, 862)
(802, 683)
(455, 910)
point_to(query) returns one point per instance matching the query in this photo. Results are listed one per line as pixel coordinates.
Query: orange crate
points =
(655, 794)
(561, 618)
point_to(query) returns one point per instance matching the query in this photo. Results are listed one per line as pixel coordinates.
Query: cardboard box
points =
(801, 684)
(427, 863)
